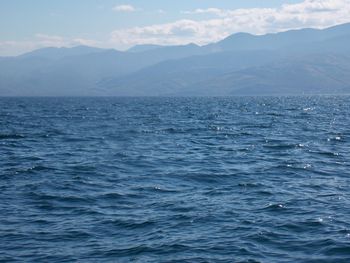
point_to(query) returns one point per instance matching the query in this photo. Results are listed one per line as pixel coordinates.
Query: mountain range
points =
(296, 62)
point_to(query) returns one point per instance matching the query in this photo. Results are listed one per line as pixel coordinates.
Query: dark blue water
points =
(175, 180)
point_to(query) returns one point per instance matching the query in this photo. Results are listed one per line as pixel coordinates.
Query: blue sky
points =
(31, 24)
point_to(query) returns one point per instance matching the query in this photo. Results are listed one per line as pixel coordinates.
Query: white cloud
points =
(215, 11)
(179, 32)
(84, 42)
(50, 40)
(311, 6)
(124, 8)
(44, 40)
(309, 13)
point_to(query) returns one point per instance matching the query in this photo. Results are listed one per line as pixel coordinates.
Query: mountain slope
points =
(292, 62)
(287, 64)
(314, 74)
(143, 48)
(171, 76)
(244, 41)
(58, 53)
(75, 71)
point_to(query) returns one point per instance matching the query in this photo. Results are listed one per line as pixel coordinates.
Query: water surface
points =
(175, 179)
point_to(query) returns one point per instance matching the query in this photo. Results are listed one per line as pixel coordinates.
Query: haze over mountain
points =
(306, 61)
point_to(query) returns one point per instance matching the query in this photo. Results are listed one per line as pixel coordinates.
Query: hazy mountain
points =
(244, 41)
(58, 53)
(292, 62)
(172, 76)
(75, 71)
(314, 74)
(287, 64)
(143, 48)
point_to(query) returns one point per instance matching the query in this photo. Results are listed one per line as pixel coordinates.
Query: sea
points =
(234, 179)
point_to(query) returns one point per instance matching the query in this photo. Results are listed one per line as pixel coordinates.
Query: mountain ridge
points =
(153, 70)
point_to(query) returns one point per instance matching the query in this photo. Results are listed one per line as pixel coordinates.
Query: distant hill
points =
(306, 61)
(58, 53)
(143, 48)
(76, 71)
(244, 41)
(176, 77)
(313, 74)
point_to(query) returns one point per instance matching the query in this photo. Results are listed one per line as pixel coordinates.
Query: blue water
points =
(175, 179)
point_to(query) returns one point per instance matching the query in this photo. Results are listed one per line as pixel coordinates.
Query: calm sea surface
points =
(175, 179)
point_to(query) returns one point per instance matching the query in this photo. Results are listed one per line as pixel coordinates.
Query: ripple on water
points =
(175, 179)
(12, 136)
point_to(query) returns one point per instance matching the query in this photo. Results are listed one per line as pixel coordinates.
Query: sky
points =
(26, 25)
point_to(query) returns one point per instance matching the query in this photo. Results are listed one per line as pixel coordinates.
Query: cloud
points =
(312, 6)
(50, 40)
(179, 32)
(44, 40)
(124, 8)
(309, 13)
(215, 11)
(84, 42)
